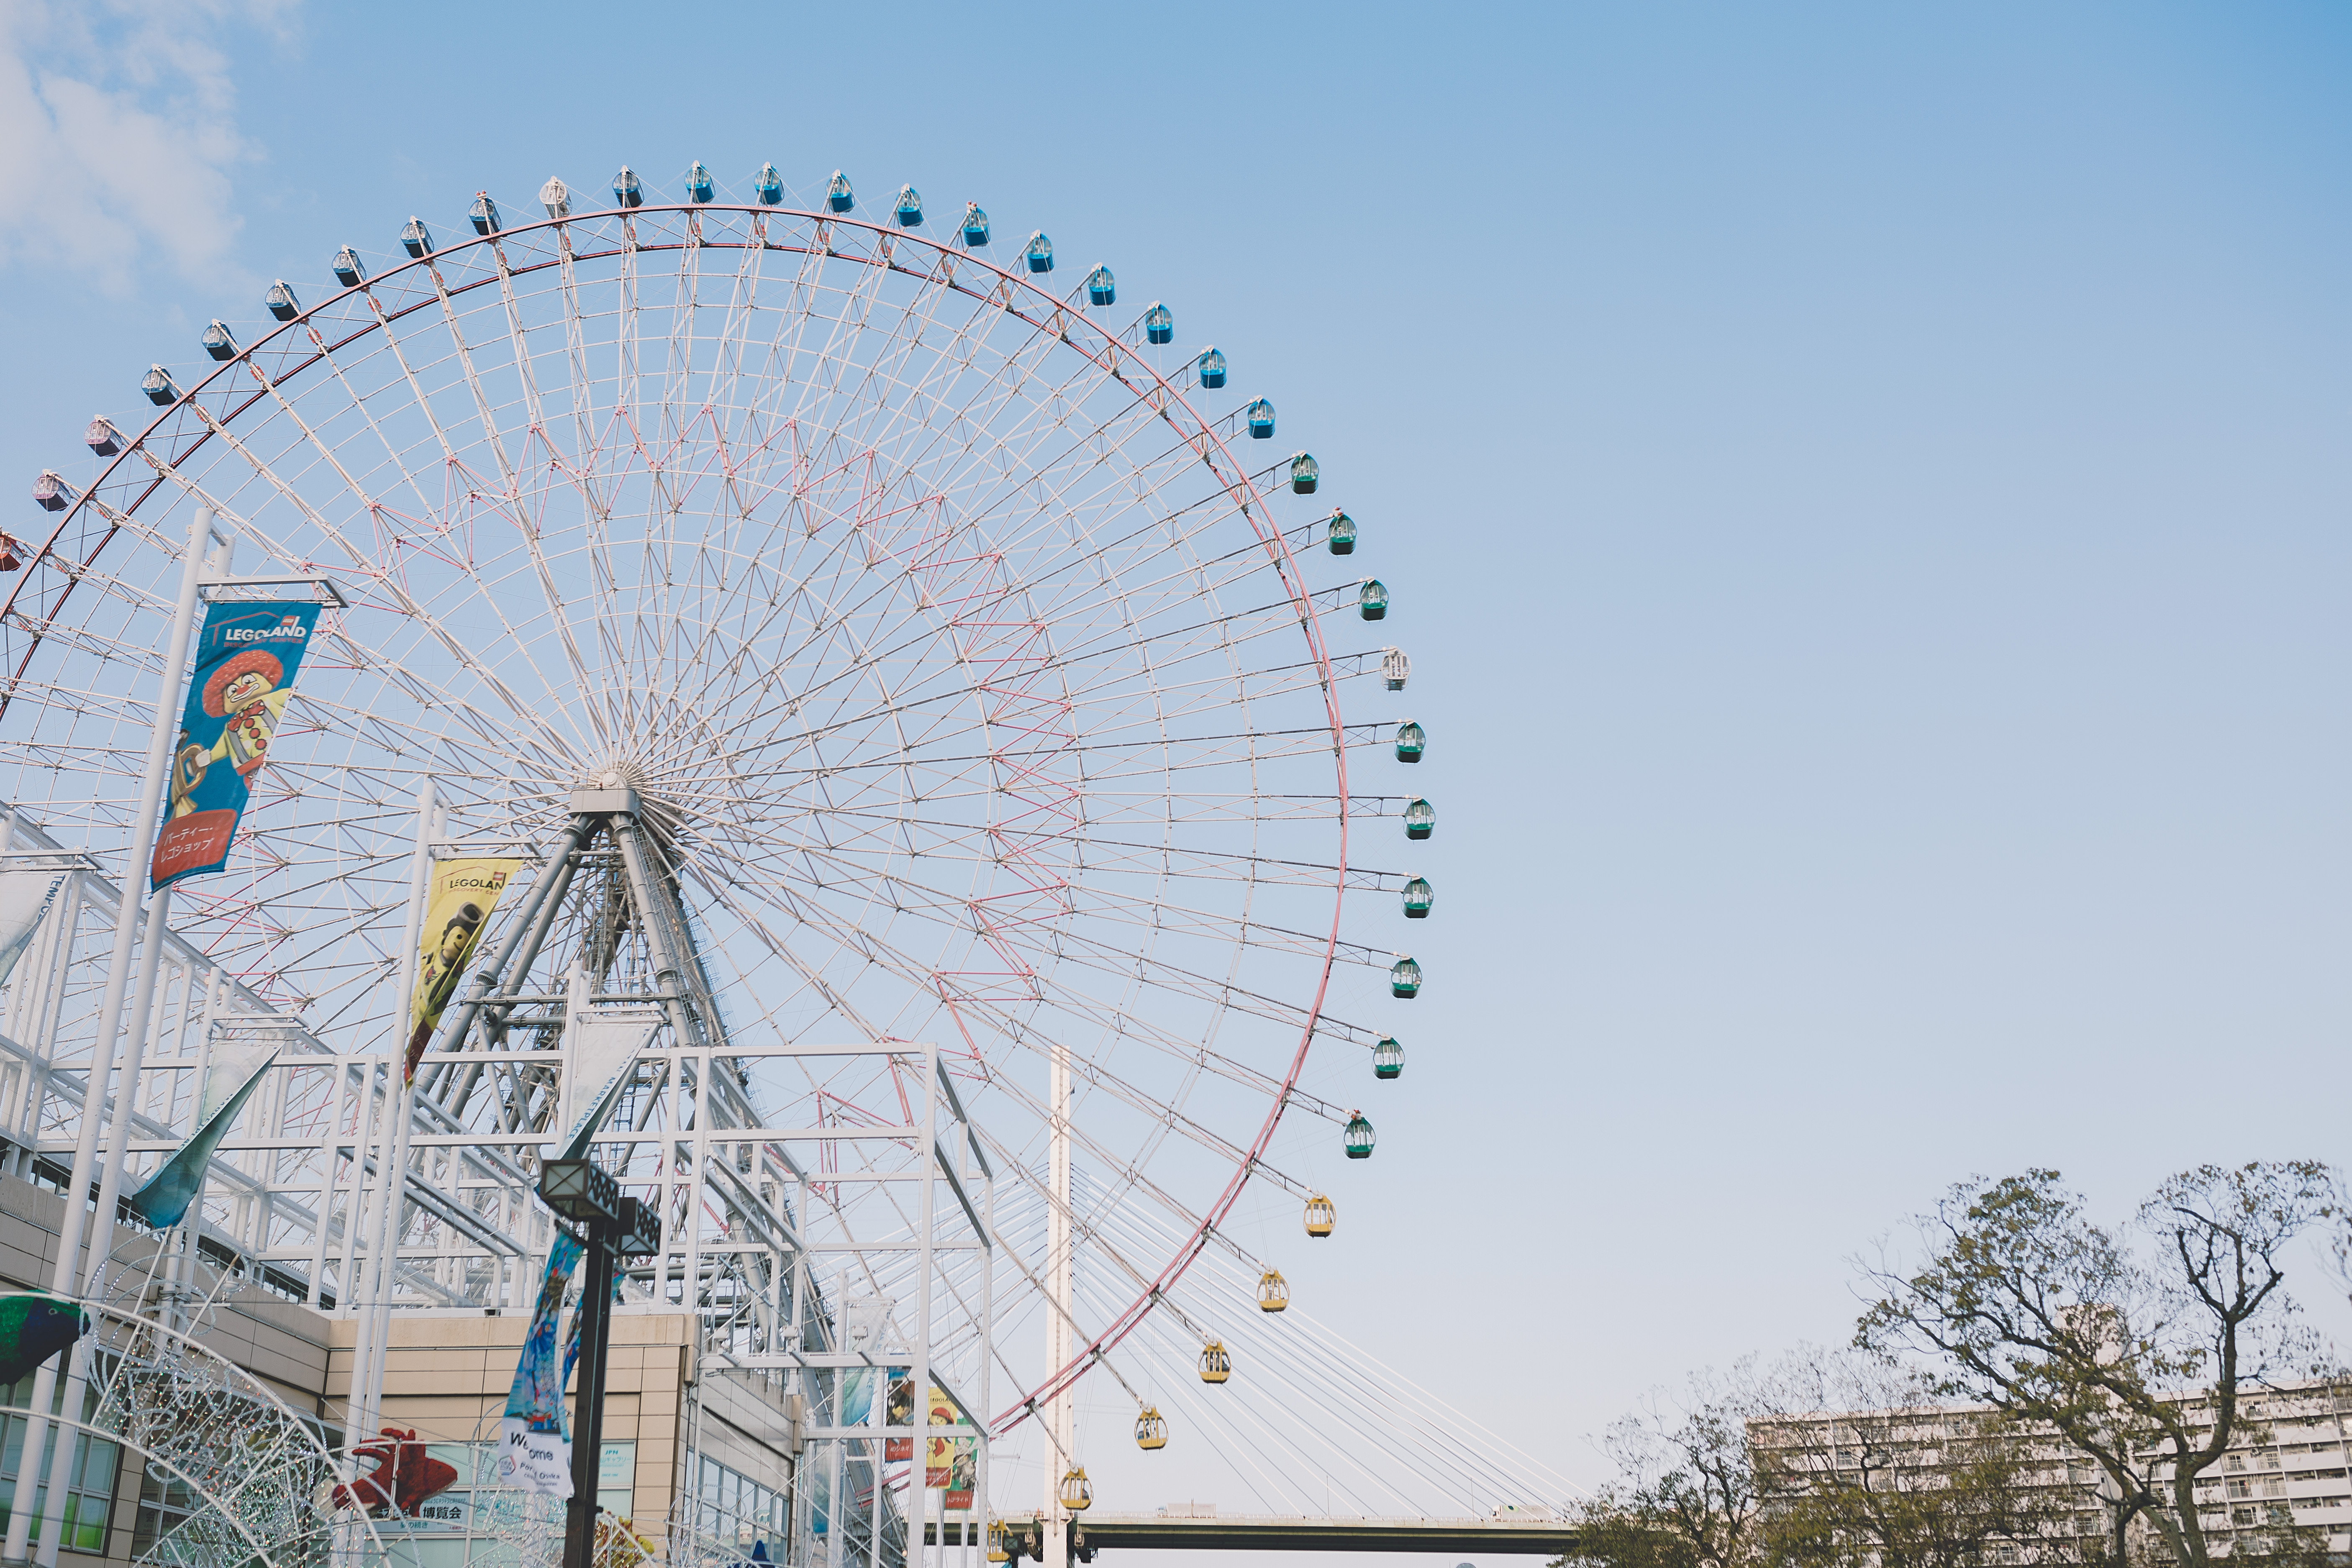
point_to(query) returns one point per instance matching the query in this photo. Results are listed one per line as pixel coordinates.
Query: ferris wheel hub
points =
(603, 803)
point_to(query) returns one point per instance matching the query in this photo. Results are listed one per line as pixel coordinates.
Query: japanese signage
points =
(246, 662)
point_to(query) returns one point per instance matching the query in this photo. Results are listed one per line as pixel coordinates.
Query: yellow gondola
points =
(1273, 1291)
(1000, 1549)
(1150, 1429)
(1322, 1214)
(1215, 1364)
(1077, 1493)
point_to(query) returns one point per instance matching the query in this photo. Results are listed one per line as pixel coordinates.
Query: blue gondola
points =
(769, 185)
(975, 224)
(281, 301)
(157, 384)
(699, 188)
(349, 270)
(415, 238)
(1261, 420)
(628, 191)
(1102, 288)
(1159, 324)
(1213, 370)
(909, 211)
(1040, 252)
(1304, 474)
(218, 341)
(485, 214)
(837, 194)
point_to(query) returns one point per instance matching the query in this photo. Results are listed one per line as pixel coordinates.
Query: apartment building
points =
(2288, 1465)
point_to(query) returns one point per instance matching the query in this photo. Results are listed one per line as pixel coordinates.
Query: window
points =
(732, 1506)
(90, 1487)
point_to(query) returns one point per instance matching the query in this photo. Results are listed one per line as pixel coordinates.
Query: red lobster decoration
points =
(405, 1475)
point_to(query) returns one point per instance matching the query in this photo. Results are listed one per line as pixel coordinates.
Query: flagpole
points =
(143, 824)
(368, 1361)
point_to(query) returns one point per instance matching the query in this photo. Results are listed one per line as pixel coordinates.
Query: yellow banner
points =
(950, 1463)
(457, 904)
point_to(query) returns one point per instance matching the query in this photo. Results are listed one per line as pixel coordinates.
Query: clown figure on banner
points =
(246, 659)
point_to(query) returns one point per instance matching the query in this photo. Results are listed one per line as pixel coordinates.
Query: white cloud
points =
(120, 118)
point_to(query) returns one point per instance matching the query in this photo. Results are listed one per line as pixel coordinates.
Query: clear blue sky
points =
(1864, 489)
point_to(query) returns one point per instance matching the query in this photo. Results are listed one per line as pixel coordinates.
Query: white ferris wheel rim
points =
(206, 414)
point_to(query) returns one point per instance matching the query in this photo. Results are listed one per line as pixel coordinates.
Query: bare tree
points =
(1860, 1467)
(1685, 1496)
(2025, 1305)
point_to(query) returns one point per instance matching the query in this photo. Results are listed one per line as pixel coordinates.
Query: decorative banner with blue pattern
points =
(246, 662)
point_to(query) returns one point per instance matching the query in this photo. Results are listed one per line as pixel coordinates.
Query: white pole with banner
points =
(383, 1262)
(143, 823)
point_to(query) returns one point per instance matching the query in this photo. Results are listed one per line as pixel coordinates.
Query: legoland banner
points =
(246, 662)
(457, 907)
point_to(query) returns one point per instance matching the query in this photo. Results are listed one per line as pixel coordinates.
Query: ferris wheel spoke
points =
(1158, 914)
(877, 951)
(491, 435)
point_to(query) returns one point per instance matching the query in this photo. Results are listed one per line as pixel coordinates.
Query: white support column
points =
(918, 1477)
(1058, 1345)
(391, 1168)
(67, 1277)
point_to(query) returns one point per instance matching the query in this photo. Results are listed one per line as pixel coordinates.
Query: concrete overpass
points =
(1183, 1533)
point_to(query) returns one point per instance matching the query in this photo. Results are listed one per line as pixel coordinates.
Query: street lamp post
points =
(618, 1227)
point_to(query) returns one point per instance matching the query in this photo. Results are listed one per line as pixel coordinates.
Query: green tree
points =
(2025, 1305)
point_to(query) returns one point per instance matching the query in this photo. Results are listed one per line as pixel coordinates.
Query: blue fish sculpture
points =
(33, 1329)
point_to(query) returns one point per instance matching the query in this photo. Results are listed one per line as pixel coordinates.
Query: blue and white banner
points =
(536, 1453)
(245, 663)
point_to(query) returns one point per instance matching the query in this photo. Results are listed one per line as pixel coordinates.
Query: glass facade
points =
(89, 1488)
(731, 1506)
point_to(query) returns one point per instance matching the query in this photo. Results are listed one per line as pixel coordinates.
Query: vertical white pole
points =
(1057, 1314)
(137, 852)
(987, 1508)
(375, 1318)
(919, 1481)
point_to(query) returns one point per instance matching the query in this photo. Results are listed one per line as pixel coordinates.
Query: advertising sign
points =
(950, 1463)
(245, 663)
(536, 1452)
(457, 904)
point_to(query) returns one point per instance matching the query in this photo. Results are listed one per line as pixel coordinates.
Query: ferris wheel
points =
(987, 674)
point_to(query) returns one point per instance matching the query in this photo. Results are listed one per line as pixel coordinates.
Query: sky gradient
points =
(1865, 493)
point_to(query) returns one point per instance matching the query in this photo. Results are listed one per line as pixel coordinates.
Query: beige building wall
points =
(446, 1379)
(447, 1376)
